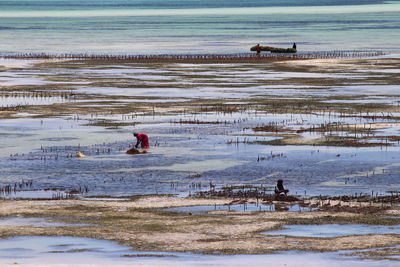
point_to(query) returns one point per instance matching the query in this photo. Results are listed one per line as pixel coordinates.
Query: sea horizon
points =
(192, 27)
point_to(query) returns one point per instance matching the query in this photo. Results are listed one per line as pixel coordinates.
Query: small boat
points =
(274, 49)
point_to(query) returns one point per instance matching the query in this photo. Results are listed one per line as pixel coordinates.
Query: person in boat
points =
(142, 139)
(258, 49)
(279, 189)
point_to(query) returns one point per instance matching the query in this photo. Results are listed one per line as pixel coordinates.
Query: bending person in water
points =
(279, 189)
(142, 140)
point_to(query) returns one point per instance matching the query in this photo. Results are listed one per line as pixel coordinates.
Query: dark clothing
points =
(279, 189)
(280, 192)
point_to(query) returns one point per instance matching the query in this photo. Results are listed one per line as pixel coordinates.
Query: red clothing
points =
(258, 49)
(143, 139)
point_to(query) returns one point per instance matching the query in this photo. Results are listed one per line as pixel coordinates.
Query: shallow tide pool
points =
(66, 250)
(335, 230)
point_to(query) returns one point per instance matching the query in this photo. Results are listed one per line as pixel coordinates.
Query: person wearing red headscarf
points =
(142, 140)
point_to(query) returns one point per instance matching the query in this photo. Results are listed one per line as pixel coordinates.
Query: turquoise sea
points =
(194, 26)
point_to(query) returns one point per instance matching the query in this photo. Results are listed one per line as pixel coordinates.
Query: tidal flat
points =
(328, 127)
(143, 227)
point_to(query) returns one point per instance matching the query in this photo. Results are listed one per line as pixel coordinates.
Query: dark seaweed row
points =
(244, 56)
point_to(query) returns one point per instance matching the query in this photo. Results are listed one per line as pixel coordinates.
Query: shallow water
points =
(116, 173)
(198, 210)
(142, 27)
(335, 230)
(182, 151)
(223, 152)
(36, 222)
(35, 250)
(35, 194)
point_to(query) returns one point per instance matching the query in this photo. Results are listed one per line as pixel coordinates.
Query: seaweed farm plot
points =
(12, 100)
(324, 126)
(26, 190)
(278, 54)
(185, 165)
(36, 194)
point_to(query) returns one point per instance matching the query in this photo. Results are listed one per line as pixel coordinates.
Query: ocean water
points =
(193, 26)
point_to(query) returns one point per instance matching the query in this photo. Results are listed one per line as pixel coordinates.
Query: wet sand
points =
(143, 224)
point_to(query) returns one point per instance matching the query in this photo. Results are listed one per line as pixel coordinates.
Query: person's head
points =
(280, 182)
(135, 134)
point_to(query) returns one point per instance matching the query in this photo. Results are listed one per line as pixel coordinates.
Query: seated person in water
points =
(279, 189)
(142, 140)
